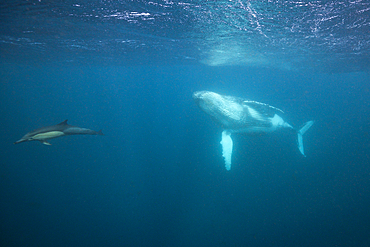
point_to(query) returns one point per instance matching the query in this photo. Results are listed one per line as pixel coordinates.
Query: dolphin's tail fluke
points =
(100, 132)
(300, 133)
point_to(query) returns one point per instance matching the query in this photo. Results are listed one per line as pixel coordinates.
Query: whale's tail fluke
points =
(300, 133)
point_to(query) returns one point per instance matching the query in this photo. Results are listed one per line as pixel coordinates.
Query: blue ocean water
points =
(157, 176)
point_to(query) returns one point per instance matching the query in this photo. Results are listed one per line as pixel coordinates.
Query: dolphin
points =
(238, 115)
(62, 129)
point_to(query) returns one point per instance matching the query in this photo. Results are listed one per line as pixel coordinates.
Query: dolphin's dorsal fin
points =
(64, 122)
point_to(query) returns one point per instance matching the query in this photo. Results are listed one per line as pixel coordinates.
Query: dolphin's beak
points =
(19, 141)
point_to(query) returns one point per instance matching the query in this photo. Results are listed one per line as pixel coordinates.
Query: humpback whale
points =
(238, 115)
(62, 129)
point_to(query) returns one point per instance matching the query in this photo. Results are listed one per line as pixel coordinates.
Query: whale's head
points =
(223, 109)
(209, 102)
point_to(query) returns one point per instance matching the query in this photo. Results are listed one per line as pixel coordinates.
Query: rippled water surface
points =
(325, 35)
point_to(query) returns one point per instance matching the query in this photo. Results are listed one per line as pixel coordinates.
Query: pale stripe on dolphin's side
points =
(48, 135)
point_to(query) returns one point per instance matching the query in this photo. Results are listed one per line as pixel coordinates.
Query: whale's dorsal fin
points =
(64, 122)
(261, 107)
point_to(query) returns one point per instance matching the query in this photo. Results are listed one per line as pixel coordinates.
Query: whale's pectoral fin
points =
(301, 132)
(46, 143)
(227, 148)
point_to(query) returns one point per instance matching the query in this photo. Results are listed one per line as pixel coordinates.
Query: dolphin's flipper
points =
(300, 133)
(227, 148)
(46, 143)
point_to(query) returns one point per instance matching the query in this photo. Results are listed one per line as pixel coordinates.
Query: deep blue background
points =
(157, 177)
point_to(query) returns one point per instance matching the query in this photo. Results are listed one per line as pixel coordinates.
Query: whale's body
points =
(237, 115)
(49, 132)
